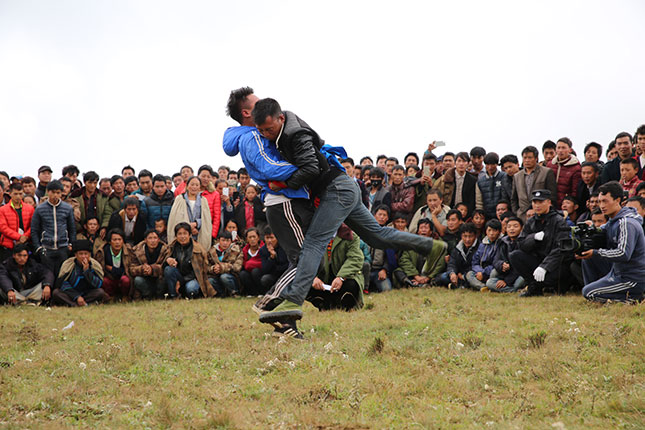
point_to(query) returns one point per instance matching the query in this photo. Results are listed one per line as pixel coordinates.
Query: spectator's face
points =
(105, 187)
(183, 236)
(411, 171)
(92, 226)
(640, 142)
(349, 169)
(250, 193)
(160, 226)
(145, 183)
(411, 160)
(477, 161)
(562, 150)
(397, 177)
(5, 181)
(592, 203)
(381, 163)
(231, 226)
(530, 213)
(464, 210)
(569, 206)
(220, 186)
(400, 224)
(624, 147)
(169, 184)
(82, 256)
(638, 207)
(245, 180)
(468, 238)
(461, 165)
(431, 164)
(16, 197)
(376, 181)
(90, 186)
(224, 243)
(479, 220)
(500, 210)
(205, 178)
(271, 240)
(513, 229)
(131, 211)
(548, 154)
(186, 173)
(177, 180)
(118, 186)
(152, 241)
(613, 153)
(21, 258)
(366, 177)
(423, 230)
(54, 196)
(29, 189)
(627, 172)
(67, 188)
(271, 127)
(116, 242)
(159, 188)
(45, 177)
(448, 162)
(433, 201)
(366, 162)
(511, 168)
(492, 234)
(193, 186)
(381, 217)
(30, 201)
(592, 155)
(131, 187)
(389, 165)
(491, 169)
(127, 172)
(529, 159)
(453, 222)
(223, 174)
(541, 206)
(642, 192)
(72, 176)
(252, 238)
(589, 175)
(598, 220)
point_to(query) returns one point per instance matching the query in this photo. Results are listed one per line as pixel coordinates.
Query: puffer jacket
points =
(485, 256)
(461, 258)
(215, 205)
(158, 207)
(52, 226)
(492, 189)
(10, 223)
(567, 176)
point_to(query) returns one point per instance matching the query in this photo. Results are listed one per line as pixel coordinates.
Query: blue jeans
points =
(341, 202)
(225, 284)
(381, 286)
(495, 276)
(187, 289)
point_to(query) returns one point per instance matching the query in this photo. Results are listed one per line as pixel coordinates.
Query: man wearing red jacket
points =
(567, 169)
(15, 221)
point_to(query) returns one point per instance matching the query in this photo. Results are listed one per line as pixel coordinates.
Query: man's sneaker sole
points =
(271, 317)
(288, 331)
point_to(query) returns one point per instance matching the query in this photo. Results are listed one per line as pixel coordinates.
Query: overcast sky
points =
(101, 84)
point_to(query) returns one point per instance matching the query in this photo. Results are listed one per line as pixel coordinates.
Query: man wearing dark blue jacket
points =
(159, 202)
(616, 273)
(53, 228)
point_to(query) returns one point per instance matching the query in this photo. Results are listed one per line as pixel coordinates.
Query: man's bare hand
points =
(317, 284)
(47, 293)
(336, 284)
(11, 297)
(382, 275)
(585, 255)
(81, 301)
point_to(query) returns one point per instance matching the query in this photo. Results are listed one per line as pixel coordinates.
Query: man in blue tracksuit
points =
(288, 210)
(616, 273)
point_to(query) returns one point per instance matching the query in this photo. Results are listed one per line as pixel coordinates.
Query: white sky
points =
(101, 84)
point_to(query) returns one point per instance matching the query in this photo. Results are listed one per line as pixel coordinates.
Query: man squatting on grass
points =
(340, 200)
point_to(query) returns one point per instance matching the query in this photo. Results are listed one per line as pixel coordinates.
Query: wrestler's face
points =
(271, 127)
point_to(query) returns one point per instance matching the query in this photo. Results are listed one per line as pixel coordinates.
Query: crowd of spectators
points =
(497, 224)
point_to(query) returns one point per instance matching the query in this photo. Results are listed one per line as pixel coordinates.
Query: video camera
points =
(583, 237)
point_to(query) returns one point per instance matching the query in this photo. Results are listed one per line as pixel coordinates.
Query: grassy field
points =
(413, 359)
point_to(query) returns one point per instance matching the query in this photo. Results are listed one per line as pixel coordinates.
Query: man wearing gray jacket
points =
(531, 177)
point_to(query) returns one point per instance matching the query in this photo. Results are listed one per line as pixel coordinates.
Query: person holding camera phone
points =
(618, 272)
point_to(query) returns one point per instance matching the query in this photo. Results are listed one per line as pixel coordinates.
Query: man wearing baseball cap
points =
(44, 177)
(539, 260)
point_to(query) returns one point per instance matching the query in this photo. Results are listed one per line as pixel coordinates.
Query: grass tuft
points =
(377, 346)
(536, 340)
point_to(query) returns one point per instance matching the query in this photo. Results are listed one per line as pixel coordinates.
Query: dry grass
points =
(426, 358)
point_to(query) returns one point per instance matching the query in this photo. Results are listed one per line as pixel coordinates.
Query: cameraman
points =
(539, 260)
(616, 273)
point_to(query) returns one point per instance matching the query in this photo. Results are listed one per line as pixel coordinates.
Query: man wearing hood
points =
(616, 273)
(567, 170)
(539, 260)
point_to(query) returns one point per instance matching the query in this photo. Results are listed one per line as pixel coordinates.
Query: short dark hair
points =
(477, 151)
(491, 158)
(549, 144)
(367, 157)
(242, 171)
(468, 227)
(184, 226)
(19, 247)
(149, 232)
(380, 157)
(571, 199)
(631, 161)
(503, 202)
(479, 212)
(114, 231)
(429, 156)
(624, 134)
(235, 100)
(15, 186)
(457, 212)
(411, 154)
(347, 160)
(640, 130)
(448, 154)
(90, 176)
(224, 234)
(567, 141)
(206, 167)
(267, 230)
(378, 172)
(464, 156)
(640, 200)
(186, 166)
(66, 179)
(385, 208)
(532, 150)
(115, 178)
(423, 221)
(591, 164)
(613, 188)
(129, 179)
(174, 175)
(367, 168)
(28, 180)
(611, 146)
(55, 185)
(495, 224)
(128, 167)
(90, 218)
(509, 158)
(435, 191)
(145, 173)
(396, 160)
(159, 178)
(264, 108)
(71, 170)
(250, 230)
(398, 167)
(399, 215)
(593, 145)
(131, 201)
(507, 214)
(515, 218)
(640, 186)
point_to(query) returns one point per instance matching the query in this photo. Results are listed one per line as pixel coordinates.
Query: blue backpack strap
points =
(332, 153)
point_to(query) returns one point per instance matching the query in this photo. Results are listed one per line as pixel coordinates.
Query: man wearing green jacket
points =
(416, 269)
(340, 280)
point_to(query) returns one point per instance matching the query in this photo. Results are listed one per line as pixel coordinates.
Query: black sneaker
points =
(348, 301)
(287, 329)
(531, 291)
(267, 307)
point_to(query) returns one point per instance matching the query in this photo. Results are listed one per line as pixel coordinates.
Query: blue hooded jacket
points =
(261, 159)
(625, 246)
